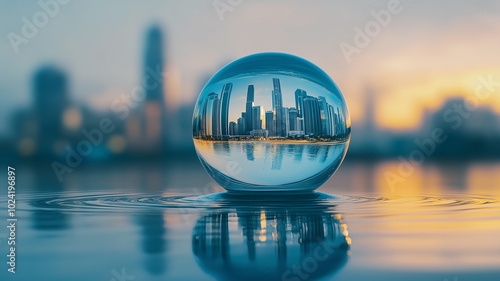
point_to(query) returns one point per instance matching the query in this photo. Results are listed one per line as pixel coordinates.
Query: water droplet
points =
(271, 122)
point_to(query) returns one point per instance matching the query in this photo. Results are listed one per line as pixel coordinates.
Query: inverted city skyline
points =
(309, 116)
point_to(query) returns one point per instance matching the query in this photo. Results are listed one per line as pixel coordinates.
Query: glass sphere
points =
(271, 122)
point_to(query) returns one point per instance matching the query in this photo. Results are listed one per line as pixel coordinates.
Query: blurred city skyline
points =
(408, 75)
(395, 89)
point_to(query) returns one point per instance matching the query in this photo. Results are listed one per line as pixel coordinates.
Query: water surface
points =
(170, 222)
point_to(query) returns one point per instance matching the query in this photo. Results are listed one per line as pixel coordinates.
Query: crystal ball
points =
(271, 122)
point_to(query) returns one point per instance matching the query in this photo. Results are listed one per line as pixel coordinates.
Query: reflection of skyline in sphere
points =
(273, 103)
(263, 97)
(271, 244)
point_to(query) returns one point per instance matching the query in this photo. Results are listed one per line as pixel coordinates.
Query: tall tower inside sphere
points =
(278, 107)
(249, 106)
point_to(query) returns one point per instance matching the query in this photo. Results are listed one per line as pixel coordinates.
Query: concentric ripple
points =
(134, 202)
(362, 205)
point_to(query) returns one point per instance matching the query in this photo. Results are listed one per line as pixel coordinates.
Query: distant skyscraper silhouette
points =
(278, 107)
(153, 113)
(370, 126)
(50, 89)
(153, 64)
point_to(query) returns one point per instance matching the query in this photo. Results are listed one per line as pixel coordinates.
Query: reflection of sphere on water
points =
(271, 122)
(270, 245)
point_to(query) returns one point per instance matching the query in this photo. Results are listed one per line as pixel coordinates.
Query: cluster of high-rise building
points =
(215, 123)
(311, 116)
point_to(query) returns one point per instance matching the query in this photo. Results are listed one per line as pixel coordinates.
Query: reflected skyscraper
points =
(224, 112)
(213, 109)
(299, 150)
(153, 242)
(312, 116)
(326, 152)
(48, 219)
(256, 118)
(232, 128)
(286, 121)
(319, 118)
(241, 126)
(278, 107)
(299, 105)
(248, 149)
(340, 122)
(277, 156)
(270, 123)
(215, 115)
(276, 241)
(325, 116)
(331, 117)
(292, 118)
(249, 106)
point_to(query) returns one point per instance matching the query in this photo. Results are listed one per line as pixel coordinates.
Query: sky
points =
(428, 51)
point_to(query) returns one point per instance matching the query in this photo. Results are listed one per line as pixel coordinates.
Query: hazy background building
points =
(146, 80)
